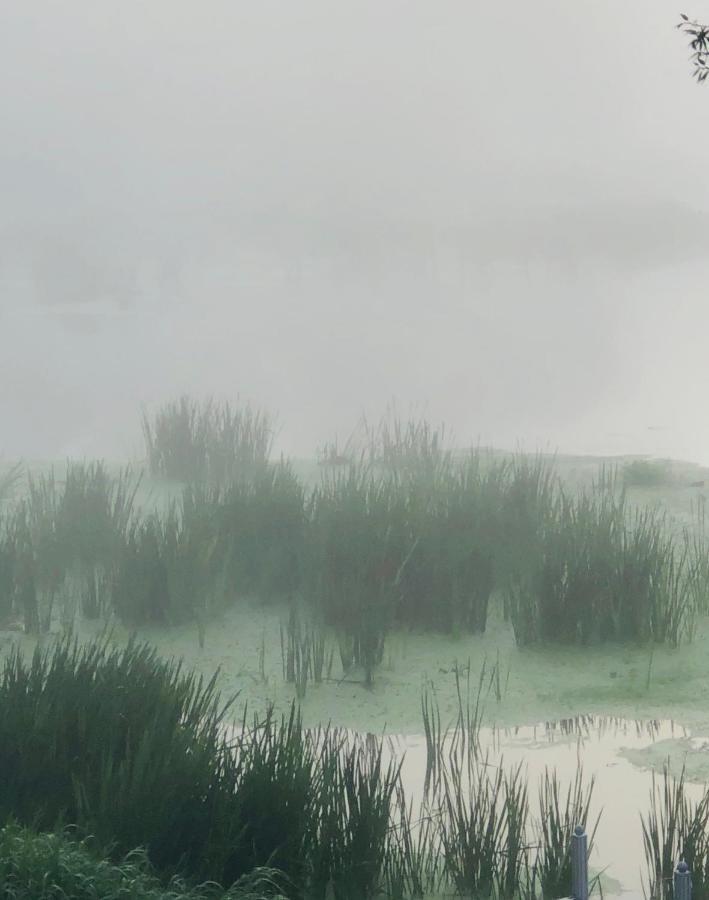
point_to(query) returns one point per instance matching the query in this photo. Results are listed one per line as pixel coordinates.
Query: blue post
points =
(682, 882)
(579, 864)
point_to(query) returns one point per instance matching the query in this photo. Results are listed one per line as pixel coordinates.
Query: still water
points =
(621, 792)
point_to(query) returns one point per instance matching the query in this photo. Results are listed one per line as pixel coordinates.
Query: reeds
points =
(190, 441)
(413, 446)
(303, 653)
(7, 570)
(8, 482)
(132, 751)
(262, 534)
(357, 544)
(94, 514)
(451, 517)
(116, 742)
(604, 572)
(559, 815)
(675, 828)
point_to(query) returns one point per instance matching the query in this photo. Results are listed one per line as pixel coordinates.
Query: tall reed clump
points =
(303, 653)
(409, 447)
(452, 516)
(529, 499)
(7, 567)
(676, 828)
(262, 533)
(193, 554)
(357, 544)
(696, 545)
(559, 815)
(604, 572)
(8, 482)
(247, 539)
(141, 588)
(62, 536)
(356, 841)
(94, 515)
(482, 827)
(133, 752)
(170, 569)
(490, 843)
(118, 743)
(40, 562)
(209, 441)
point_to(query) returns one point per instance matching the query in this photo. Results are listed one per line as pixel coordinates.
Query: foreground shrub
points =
(56, 867)
(119, 743)
(131, 751)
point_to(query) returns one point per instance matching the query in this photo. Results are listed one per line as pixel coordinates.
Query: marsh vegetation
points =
(403, 535)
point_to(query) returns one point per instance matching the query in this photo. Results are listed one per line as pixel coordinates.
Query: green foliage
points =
(699, 45)
(57, 867)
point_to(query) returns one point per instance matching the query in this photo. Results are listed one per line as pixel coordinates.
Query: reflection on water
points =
(621, 791)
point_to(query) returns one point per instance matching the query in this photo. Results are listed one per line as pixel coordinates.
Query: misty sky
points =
(496, 215)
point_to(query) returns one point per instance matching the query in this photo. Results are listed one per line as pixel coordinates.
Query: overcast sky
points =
(496, 215)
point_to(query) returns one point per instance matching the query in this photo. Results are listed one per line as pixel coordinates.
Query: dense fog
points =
(495, 216)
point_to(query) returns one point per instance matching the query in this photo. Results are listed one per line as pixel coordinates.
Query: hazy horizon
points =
(494, 218)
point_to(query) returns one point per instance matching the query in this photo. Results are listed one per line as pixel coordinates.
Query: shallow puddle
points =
(622, 790)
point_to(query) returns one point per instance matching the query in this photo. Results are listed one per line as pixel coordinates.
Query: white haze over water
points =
(496, 218)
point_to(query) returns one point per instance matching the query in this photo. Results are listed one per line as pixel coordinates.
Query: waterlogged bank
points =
(553, 708)
(521, 687)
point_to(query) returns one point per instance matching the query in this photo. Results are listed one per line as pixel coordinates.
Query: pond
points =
(599, 745)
